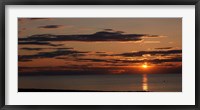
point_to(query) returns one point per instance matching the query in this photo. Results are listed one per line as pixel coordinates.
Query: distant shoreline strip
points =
(55, 90)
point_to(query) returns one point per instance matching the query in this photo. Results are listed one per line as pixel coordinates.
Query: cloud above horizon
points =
(52, 54)
(37, 49)
(163, 48)
(141, 53)
(68, 54)
(37, 18)
(152, 61)
(38, 43)
(50, 26)
(96, 37)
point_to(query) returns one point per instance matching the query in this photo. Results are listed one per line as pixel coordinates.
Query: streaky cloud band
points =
(96, 37)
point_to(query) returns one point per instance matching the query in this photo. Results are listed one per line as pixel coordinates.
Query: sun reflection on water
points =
(145, 83)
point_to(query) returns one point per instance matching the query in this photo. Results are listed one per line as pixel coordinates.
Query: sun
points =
(145, 66)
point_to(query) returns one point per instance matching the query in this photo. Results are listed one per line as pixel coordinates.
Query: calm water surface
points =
(144, 82)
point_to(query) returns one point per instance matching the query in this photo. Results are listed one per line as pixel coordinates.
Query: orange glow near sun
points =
(145, 66)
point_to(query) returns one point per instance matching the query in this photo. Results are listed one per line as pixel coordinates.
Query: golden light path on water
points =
(145, 82)
(144, 78)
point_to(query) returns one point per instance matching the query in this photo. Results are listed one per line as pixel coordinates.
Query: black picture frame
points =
(99, 2)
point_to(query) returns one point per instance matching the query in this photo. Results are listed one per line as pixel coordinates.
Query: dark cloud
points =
(24, 60)
(32, 49)
(51, 26)
(25, 48)
(37, 18)
(163, 48)
(98, 36)
(120, 32)
(53, 54)
(108, 30)
(61, 48)
(176, 58)
(153, 36)
(153, 61)
(100, 52)
(141, 53)
(156, 61)
(117, 61)
(92, 60)
(38, 43)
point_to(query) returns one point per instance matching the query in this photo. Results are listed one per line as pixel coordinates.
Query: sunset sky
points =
(54, 46)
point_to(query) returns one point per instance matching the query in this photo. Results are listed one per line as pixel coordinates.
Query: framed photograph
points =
(100, 55)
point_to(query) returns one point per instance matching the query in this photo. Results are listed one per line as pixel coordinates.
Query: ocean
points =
(99, 83)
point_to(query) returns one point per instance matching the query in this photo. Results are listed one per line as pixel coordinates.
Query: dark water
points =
(144, 82)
